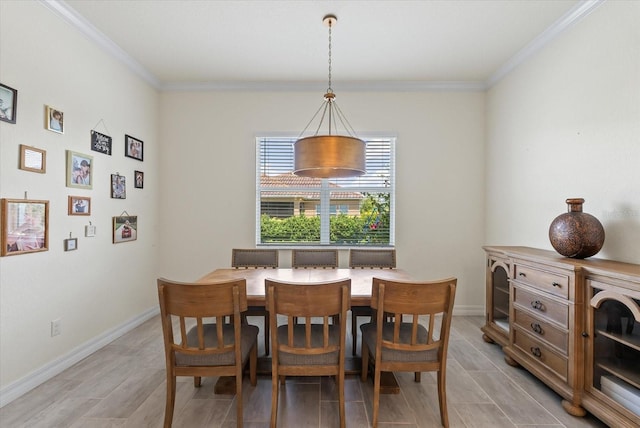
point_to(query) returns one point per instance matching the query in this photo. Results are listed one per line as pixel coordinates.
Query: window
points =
(355, 211)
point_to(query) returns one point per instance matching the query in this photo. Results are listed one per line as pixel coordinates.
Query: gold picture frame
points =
(33, 159)
(25, 226)
(79, 205)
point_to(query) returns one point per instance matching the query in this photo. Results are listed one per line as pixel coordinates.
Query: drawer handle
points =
(537, 328)
(537, 305)
(536, 351)
(555, 284)
(522, 274)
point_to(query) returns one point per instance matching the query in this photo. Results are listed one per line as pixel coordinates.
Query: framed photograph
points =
(139, 184)
(32, 159)
(100, 143)
(54, 119)
(133, 147)
(79, 205)
(79, 170)
(25, 226)
(71, 244)
(8, 103)
(125, 228)
(118, 186)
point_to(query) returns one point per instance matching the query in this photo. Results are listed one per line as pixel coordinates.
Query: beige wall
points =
(208, 151)
(567, 124)
(100, 286)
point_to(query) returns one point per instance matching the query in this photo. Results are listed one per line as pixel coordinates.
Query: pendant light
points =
(329, 155)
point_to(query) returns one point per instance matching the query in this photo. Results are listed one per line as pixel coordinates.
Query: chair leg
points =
(274, 399)
(354, 331)
(376, 395)
(171, 401)
(266, 334)
(442, 398)
(341, 398)
(365, 362)
(239, 396)
(253, 364)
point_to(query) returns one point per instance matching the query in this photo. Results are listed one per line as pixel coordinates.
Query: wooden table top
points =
(360, 280)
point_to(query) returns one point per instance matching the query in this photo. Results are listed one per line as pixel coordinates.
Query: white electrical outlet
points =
(56, 327)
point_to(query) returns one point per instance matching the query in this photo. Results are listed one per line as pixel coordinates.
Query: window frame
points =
(325, 192)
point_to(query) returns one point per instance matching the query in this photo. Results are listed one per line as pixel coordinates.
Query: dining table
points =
(361, 280)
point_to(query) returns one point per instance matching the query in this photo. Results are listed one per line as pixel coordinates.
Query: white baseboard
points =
(27, 383)
(468, 310)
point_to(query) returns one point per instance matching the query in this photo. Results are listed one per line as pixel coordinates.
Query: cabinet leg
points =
(511, 361)
(487, 339)
(573, 409)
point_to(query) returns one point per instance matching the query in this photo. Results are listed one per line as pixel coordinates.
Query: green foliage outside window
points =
(371, 227)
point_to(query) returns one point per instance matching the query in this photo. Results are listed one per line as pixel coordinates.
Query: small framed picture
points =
(133, 147)
(139, 184)
(125, 228)
(71, 244)
(118, 186)
(79, 170)
(54, 119)
(32, 159)
(100, 143)
(25, 226)
(79, 205)
(8, 103)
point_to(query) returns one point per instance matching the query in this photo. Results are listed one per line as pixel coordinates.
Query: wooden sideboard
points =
(574, 324)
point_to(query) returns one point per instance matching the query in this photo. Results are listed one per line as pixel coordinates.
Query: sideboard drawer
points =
(539, 352)
(542, 330)
(541, 305)
(553, 283)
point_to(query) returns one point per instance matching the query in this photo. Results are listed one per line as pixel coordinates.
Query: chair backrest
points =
(308, 300)
(314, 258)
(254, 258)
(412, 300)
(190, 303)
(363, 258)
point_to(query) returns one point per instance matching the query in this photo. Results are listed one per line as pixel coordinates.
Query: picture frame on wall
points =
(24, 227)
(133, 147)
(54, 119)
(100, 143)
(71, 244)
(8, 103)
(79, 172)
(118, 186)
(32, 159)
(125, 228)
(79, 205)
(139, 179)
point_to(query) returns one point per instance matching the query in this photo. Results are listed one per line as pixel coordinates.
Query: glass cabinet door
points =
(499, 310)
(614, 350)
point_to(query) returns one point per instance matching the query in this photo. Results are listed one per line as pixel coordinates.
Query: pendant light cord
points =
(329, 90)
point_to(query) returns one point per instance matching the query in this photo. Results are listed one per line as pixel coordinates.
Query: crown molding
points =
(572, 16)
(372, 86)
(67, 13)
(575, 14)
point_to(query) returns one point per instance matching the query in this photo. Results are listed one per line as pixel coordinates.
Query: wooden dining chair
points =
(314, 348)
(256, 258)
(314, 258)
(409, 346)
(372, 259)
(206, 349)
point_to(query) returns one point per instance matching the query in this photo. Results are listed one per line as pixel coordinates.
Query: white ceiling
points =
(395, 43)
